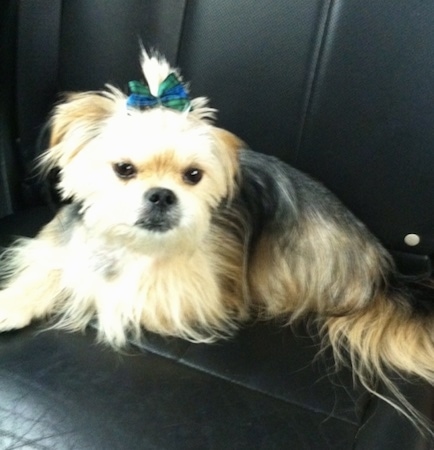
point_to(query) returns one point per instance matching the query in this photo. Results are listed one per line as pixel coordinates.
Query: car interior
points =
(342, 90)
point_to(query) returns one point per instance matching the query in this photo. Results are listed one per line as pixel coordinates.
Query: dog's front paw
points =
(11, 319)
(12, 314)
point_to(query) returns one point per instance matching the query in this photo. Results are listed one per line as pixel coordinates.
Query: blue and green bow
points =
(171, 94)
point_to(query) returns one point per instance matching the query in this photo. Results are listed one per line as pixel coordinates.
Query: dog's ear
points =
(227, 145)
(81, 113)
(229, 140)
(74, 123)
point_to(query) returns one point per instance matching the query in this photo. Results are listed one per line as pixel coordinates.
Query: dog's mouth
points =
(157, 224)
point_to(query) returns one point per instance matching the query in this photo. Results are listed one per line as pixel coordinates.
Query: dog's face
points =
(153, 175)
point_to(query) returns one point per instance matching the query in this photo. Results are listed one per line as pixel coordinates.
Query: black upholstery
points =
(368, 132)
(344, 92)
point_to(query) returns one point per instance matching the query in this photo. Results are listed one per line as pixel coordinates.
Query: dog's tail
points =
(387, 337)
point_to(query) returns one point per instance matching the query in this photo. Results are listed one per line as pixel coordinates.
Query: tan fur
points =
(163, 164)
(384, 339)
(312, 273)
(228, 145)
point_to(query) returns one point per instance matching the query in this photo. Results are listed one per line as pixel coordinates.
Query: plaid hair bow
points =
(171, 94)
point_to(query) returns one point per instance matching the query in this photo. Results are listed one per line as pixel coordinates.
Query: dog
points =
(173, 225)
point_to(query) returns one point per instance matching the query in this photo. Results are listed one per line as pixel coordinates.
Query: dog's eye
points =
(192, 175)
(124, 170)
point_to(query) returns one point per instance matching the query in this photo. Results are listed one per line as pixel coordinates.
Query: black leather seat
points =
(343, 91)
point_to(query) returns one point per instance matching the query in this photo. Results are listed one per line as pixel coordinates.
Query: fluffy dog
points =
(174, 226)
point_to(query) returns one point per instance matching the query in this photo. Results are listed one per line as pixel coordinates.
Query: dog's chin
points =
(163, 239)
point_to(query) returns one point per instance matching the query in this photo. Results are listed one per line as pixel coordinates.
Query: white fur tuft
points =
(155, 70)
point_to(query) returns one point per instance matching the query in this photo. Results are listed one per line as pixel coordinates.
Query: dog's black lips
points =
(158, 221)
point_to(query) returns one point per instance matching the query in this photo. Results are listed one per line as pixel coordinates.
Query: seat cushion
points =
(264, 388)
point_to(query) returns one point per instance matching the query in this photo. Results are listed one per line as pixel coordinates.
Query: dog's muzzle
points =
(161, 210)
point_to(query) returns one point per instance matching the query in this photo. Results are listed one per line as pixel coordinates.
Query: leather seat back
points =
(339, 90)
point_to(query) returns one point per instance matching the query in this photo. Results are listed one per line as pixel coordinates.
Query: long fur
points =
(254, 238)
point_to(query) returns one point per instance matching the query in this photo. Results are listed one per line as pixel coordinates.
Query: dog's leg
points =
(32, 283)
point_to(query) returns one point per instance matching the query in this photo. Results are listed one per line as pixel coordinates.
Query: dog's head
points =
(155, 173)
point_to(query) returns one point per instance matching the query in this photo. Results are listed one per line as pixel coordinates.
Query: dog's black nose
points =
(160, 212)
(161, 197)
